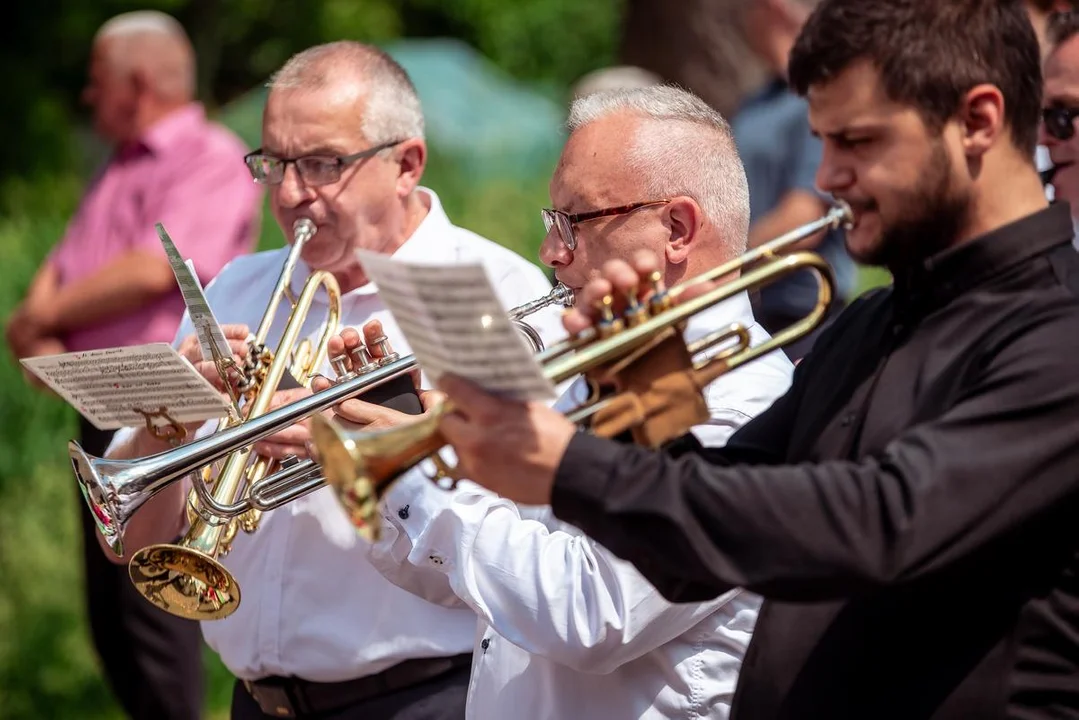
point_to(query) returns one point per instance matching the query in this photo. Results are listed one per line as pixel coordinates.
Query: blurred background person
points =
(1040, 13)
(781, 156)
(108, 283)
(1060, 108)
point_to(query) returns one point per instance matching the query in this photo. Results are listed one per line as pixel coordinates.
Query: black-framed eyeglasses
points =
(313, 169)
(1059, 121)
(564, 222)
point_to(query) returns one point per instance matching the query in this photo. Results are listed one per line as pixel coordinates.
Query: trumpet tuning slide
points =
(184, 582)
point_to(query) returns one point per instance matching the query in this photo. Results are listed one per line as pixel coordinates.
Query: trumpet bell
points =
(360, 465)
(185, 582)
(103, 488)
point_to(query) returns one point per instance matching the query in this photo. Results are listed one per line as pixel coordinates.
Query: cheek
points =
(1066, 186)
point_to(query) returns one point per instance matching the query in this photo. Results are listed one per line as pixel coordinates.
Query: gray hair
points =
(137, 38)
(682, 147)
(392, 109)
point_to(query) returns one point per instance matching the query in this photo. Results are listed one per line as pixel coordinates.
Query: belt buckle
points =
(272, 699)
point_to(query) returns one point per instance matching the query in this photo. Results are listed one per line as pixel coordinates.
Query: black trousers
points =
(440, 698)
(152, 660)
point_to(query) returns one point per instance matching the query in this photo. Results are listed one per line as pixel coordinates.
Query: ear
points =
(140, 82)
(412, 159)
(981, 116)
(683, 218)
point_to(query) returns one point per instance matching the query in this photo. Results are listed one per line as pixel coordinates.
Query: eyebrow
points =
(1064, 98)
(865, 129)
(323, 150)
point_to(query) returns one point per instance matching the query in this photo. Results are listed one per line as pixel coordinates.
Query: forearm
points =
(162, 517)
(122, 286)
(552, 593)
(809, 532)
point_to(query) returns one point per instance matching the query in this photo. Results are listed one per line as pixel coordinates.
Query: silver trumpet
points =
(116, 489)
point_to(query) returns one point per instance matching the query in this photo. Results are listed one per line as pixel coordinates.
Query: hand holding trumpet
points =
(356, 414)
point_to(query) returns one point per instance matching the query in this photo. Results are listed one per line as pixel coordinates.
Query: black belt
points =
(290, 697)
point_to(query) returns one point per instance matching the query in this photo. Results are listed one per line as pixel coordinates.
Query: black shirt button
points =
(403, 513)
(485, 644)
(847, 420)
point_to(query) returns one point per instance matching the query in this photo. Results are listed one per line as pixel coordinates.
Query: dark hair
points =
(1063, 26)
(929, 54)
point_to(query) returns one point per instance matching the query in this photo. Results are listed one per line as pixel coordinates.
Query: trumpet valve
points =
(386, 355)
(339, 363)
(661, 298)
(636, 313)
(362, 362)
(608, 324)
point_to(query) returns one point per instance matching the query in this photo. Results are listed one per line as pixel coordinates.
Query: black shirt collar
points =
(949, 273)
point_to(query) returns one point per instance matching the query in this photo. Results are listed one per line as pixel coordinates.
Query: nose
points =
(293, 192)
(553, 252)
(832, 175)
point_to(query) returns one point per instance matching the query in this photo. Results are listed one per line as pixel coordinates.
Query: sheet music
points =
(110, 387)
(206, 326)
(455, 323)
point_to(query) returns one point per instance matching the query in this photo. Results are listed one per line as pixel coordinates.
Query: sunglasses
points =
(1059, 122)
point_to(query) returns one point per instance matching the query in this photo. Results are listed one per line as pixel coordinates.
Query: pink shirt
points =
(186, 173)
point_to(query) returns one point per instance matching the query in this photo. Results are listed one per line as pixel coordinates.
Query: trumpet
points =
(186, 579)
(642, 356)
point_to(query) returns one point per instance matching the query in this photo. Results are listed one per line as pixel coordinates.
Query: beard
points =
(929, 215)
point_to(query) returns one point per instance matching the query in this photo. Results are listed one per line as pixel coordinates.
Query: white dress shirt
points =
(311, 603)
(566, 629)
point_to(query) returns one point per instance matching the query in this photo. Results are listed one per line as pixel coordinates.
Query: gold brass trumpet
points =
(657, 385)
(186, 579)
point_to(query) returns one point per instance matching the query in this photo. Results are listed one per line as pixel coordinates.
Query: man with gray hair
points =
(108, 283)
(319, 632)
(567, 630)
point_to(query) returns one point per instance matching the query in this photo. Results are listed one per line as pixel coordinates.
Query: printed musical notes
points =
(455, 323)
(117, 387)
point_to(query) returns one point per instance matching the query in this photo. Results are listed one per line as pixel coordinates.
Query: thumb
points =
(431, 398)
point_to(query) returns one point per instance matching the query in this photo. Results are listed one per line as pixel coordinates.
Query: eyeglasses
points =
(313, 169)
(565, 221)
(1060, 121)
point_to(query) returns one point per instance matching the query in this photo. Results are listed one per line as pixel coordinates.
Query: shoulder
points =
(502, 263)
(211, 144)
(245, 273)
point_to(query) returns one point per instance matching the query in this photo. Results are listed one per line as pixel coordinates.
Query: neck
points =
(1002, 203)
(416, 206)
(153, 114)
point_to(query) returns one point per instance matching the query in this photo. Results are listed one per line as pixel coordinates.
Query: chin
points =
(864, 239)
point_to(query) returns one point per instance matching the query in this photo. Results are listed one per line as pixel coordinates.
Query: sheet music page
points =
(206, 326)
(455, 323)
(118, 387)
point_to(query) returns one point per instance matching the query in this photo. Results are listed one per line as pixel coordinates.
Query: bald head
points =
(391, 107)
(154, 45)
(678, 145)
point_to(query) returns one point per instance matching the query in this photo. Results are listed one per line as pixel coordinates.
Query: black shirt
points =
(909, 509)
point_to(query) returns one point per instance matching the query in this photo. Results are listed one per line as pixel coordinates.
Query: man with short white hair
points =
(107, 284)
(567, 630)
(319, 633)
